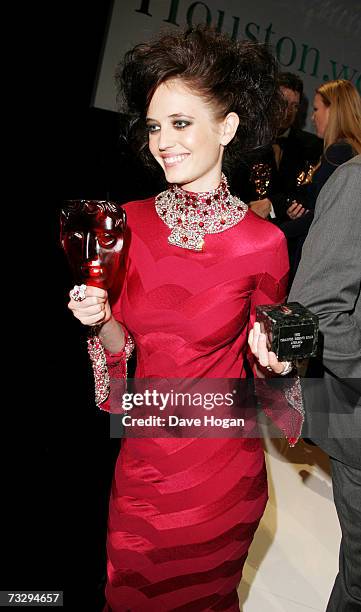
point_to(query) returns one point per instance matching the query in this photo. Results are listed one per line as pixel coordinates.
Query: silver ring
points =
(78, 293)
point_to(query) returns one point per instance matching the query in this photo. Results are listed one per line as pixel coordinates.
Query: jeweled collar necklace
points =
(193, 215)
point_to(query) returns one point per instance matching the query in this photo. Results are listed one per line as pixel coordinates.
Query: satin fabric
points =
(183, 512)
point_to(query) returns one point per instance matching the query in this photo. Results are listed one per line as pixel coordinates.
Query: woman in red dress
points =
(183, 511)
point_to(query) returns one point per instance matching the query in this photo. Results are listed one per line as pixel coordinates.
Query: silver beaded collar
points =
(193, 215)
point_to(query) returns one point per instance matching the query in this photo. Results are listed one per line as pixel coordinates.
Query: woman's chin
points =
(175, 175)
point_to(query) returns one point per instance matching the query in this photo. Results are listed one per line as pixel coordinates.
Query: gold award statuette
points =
(261, 178)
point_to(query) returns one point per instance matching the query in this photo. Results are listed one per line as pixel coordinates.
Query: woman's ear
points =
(230, 125)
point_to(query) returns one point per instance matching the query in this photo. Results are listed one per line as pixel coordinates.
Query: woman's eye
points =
(152, 128)
(180, 124)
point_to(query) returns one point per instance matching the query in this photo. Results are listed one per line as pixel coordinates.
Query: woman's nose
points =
(166, 139)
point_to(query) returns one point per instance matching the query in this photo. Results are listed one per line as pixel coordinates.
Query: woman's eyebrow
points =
(173, 116)
(181, 115)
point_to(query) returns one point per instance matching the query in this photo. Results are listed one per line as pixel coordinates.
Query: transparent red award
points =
(92, 236)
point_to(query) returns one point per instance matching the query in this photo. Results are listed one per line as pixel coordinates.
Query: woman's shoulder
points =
(136, 209)
(133, 205)
(263, 232)
(338, 152)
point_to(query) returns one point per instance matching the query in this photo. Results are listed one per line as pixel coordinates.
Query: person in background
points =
(337, 119)
(328, 282)
(291, 154)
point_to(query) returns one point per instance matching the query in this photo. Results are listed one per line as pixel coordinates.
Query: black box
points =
(291, 329)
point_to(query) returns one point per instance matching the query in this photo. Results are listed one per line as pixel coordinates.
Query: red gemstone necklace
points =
(191, 215)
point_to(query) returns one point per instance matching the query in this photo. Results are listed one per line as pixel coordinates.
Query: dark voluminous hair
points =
(231, 76)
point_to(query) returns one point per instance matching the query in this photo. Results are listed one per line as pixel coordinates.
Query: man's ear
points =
(230, 125)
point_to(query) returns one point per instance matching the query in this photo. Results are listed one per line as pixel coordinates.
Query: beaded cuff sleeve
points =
(281, 400)
(107, 366)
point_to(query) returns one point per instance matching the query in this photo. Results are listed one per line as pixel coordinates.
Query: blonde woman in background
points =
(337, 119)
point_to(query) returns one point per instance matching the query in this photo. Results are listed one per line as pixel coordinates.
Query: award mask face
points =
(92, 236)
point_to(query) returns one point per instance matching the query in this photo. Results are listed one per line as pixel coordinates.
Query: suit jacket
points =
(299, 147)
(328, 283)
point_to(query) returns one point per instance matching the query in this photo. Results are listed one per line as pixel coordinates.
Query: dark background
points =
(56, 454)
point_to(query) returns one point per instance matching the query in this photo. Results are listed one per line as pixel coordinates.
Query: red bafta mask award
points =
(92, 236)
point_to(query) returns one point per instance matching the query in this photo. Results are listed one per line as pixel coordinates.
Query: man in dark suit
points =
(290, 154)
(328, 282)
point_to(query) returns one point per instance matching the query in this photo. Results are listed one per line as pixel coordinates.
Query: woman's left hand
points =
(258, 345)
(296, 210)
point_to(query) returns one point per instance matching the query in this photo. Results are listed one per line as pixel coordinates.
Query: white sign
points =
(319, 41)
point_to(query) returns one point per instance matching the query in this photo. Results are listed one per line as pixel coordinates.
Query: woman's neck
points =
(204, 185)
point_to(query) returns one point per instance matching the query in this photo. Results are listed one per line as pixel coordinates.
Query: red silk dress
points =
(183, 512)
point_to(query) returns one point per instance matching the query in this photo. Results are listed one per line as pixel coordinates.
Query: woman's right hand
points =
(94, 309)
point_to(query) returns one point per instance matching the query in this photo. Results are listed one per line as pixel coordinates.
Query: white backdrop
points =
(318, 40)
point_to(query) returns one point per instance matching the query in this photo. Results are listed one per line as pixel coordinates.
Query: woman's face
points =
(185, 137)
(320, 115)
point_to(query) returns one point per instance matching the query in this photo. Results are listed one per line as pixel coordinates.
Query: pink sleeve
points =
(109, 369)
(271, 286)
(280, 397)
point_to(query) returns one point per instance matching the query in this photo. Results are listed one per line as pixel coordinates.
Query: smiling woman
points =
(229, 77)
(186, 138)
(183, 510)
